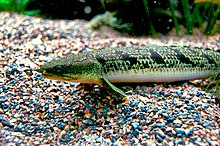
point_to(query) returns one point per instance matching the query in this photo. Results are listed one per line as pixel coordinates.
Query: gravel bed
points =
(39, 111)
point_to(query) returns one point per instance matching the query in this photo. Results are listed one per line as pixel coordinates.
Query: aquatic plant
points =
(108, 19)
(195, 13)
(17, 6)
(188, 13)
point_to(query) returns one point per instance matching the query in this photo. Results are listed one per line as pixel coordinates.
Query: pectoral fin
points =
(115, 88)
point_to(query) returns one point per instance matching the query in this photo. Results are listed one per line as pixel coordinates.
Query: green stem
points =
(213, 16)
(172, 9)
(148, 16)
(196, 15)
(186, 10)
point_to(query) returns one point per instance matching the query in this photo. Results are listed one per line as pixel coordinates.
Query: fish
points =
(134, 64)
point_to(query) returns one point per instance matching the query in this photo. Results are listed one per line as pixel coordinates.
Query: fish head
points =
(84, 71)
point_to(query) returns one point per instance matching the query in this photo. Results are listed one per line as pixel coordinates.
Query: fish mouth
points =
(40, 70)
(47, 75)
(44, 73)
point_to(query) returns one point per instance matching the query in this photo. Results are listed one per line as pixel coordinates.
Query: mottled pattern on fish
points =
(158, 59)
(136, 59)
(135, 64)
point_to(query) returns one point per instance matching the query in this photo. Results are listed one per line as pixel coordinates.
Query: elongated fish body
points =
(151, 63)
(158, 64)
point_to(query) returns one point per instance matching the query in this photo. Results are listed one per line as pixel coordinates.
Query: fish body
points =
(151, 63)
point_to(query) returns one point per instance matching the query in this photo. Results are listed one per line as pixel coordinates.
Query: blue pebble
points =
(63, 36)
(186, 101)
(159, 125)
(14, 69)
(86, 137)
(196, 119)
(165, 115)
(192, 139)
(135, 91)
(31, 91)
(42, 128)
(19, 128)
(7, 133)
(60, 99)
(32, 78)
(34, 124)
(107, 132)
(137, 126)
(134, 103)
(126, 110)
(108, 127)
(74, 97)
(180, 142)
(72, 83)
(170, 119)
(41, 140)
(145, 135)
(180, 131)
(142, 116)
(144, 94)
(178, 125)
(179, 105)
(166, 94)
(189, 133)
(5, 48)
(159, 139)
(2, 100)
(129, 136)
(192, 104)
(65, 120)
(161, 92)
(51, 36)
(204, 106)
(2, 96)
(208, 101)
(104, 110)
(4, 87)
(11, 93)
(22, 116)
(133, 115)
(88, 122)
(153, 92)
(99, 140)
(6, 123)
(114, 138)
(135, 133)
(115, 129)
(155, 110)
(163, 111)
(169, 134)
(143, 109)
(189, 107)
(61, 126)
(206, 123)
(134, 125)
(184, 116)
(161, 135)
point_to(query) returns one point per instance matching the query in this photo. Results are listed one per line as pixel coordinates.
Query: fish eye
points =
(58, 67)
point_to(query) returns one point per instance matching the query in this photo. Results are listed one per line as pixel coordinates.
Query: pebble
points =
(180, 132)
(38, 111)
(134, 103)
